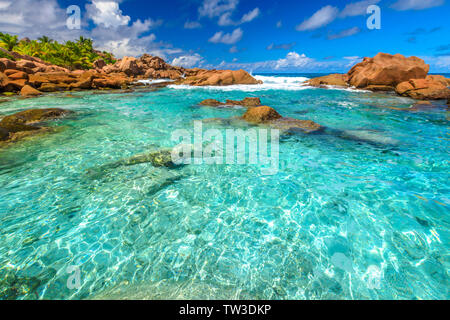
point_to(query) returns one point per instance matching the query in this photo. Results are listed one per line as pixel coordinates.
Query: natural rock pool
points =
(360, 215)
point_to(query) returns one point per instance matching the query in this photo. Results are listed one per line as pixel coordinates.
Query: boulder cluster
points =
(31, 76)
(258, 114)
(384, 72)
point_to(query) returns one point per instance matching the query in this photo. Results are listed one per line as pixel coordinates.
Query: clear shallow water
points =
(343, 219)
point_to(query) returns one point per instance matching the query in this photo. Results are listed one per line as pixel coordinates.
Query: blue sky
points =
(257, 35)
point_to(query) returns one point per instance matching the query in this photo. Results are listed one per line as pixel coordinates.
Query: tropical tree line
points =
(78, 54)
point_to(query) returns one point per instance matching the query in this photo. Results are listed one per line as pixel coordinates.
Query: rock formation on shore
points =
(432, 88)
(336, 79)
(31, 76)
(218, 78)
(385, 72)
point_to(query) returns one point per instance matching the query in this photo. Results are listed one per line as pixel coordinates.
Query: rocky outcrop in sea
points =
(385, 72)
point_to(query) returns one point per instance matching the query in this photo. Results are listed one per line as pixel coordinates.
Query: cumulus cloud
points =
(188, 61)
(328, 14)
(293, 60)
(224, 9)
(251, 15)
(21, 17)
(344, 33)
(225, 19)
(357, 8)
(321, 18)
(439, 63)
(227, 38)
(215, 8)
(192, 25)
(403, 5)
(234, 49)
(107, 13)
(283, 46)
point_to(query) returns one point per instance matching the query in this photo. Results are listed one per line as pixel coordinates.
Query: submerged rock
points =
(14, 285)
(161, 158)
(4, 134)
(22, 124)
(261, 114)
(158, 158)
(247, 102)
(291, 124)
(368, 136)
(267, 115)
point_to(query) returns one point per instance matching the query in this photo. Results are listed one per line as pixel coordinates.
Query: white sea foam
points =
(153, 81)
(269, 83)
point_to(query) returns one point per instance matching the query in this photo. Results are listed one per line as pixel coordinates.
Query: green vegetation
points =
(78, 54)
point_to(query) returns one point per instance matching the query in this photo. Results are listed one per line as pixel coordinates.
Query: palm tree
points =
(45, 39)
(9, 41)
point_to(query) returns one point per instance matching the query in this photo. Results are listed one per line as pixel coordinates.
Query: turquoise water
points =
(344, 218)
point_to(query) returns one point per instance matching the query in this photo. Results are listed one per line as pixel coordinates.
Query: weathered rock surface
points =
(247, 102)
(387, 70)
(261, 114)
(28, 91)
(36, 73)
(431, 88)
(291, 124)
(337, 79)
(23, 124)
(4, 134)
(267, 115)
(219, 78)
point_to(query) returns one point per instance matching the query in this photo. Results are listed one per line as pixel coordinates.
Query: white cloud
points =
(319, 19)
(107, 13)
(438, 63)
(21, 17)
(192, 25)
(357, 8)
(227, 38)
(403, 5)
(344, 33)
(293, 60)
(225, 19)
(215, 8)
(224, 9)
(188, 61)
(279, 24)
(4, 4)
(234, 49)
(252, 15)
